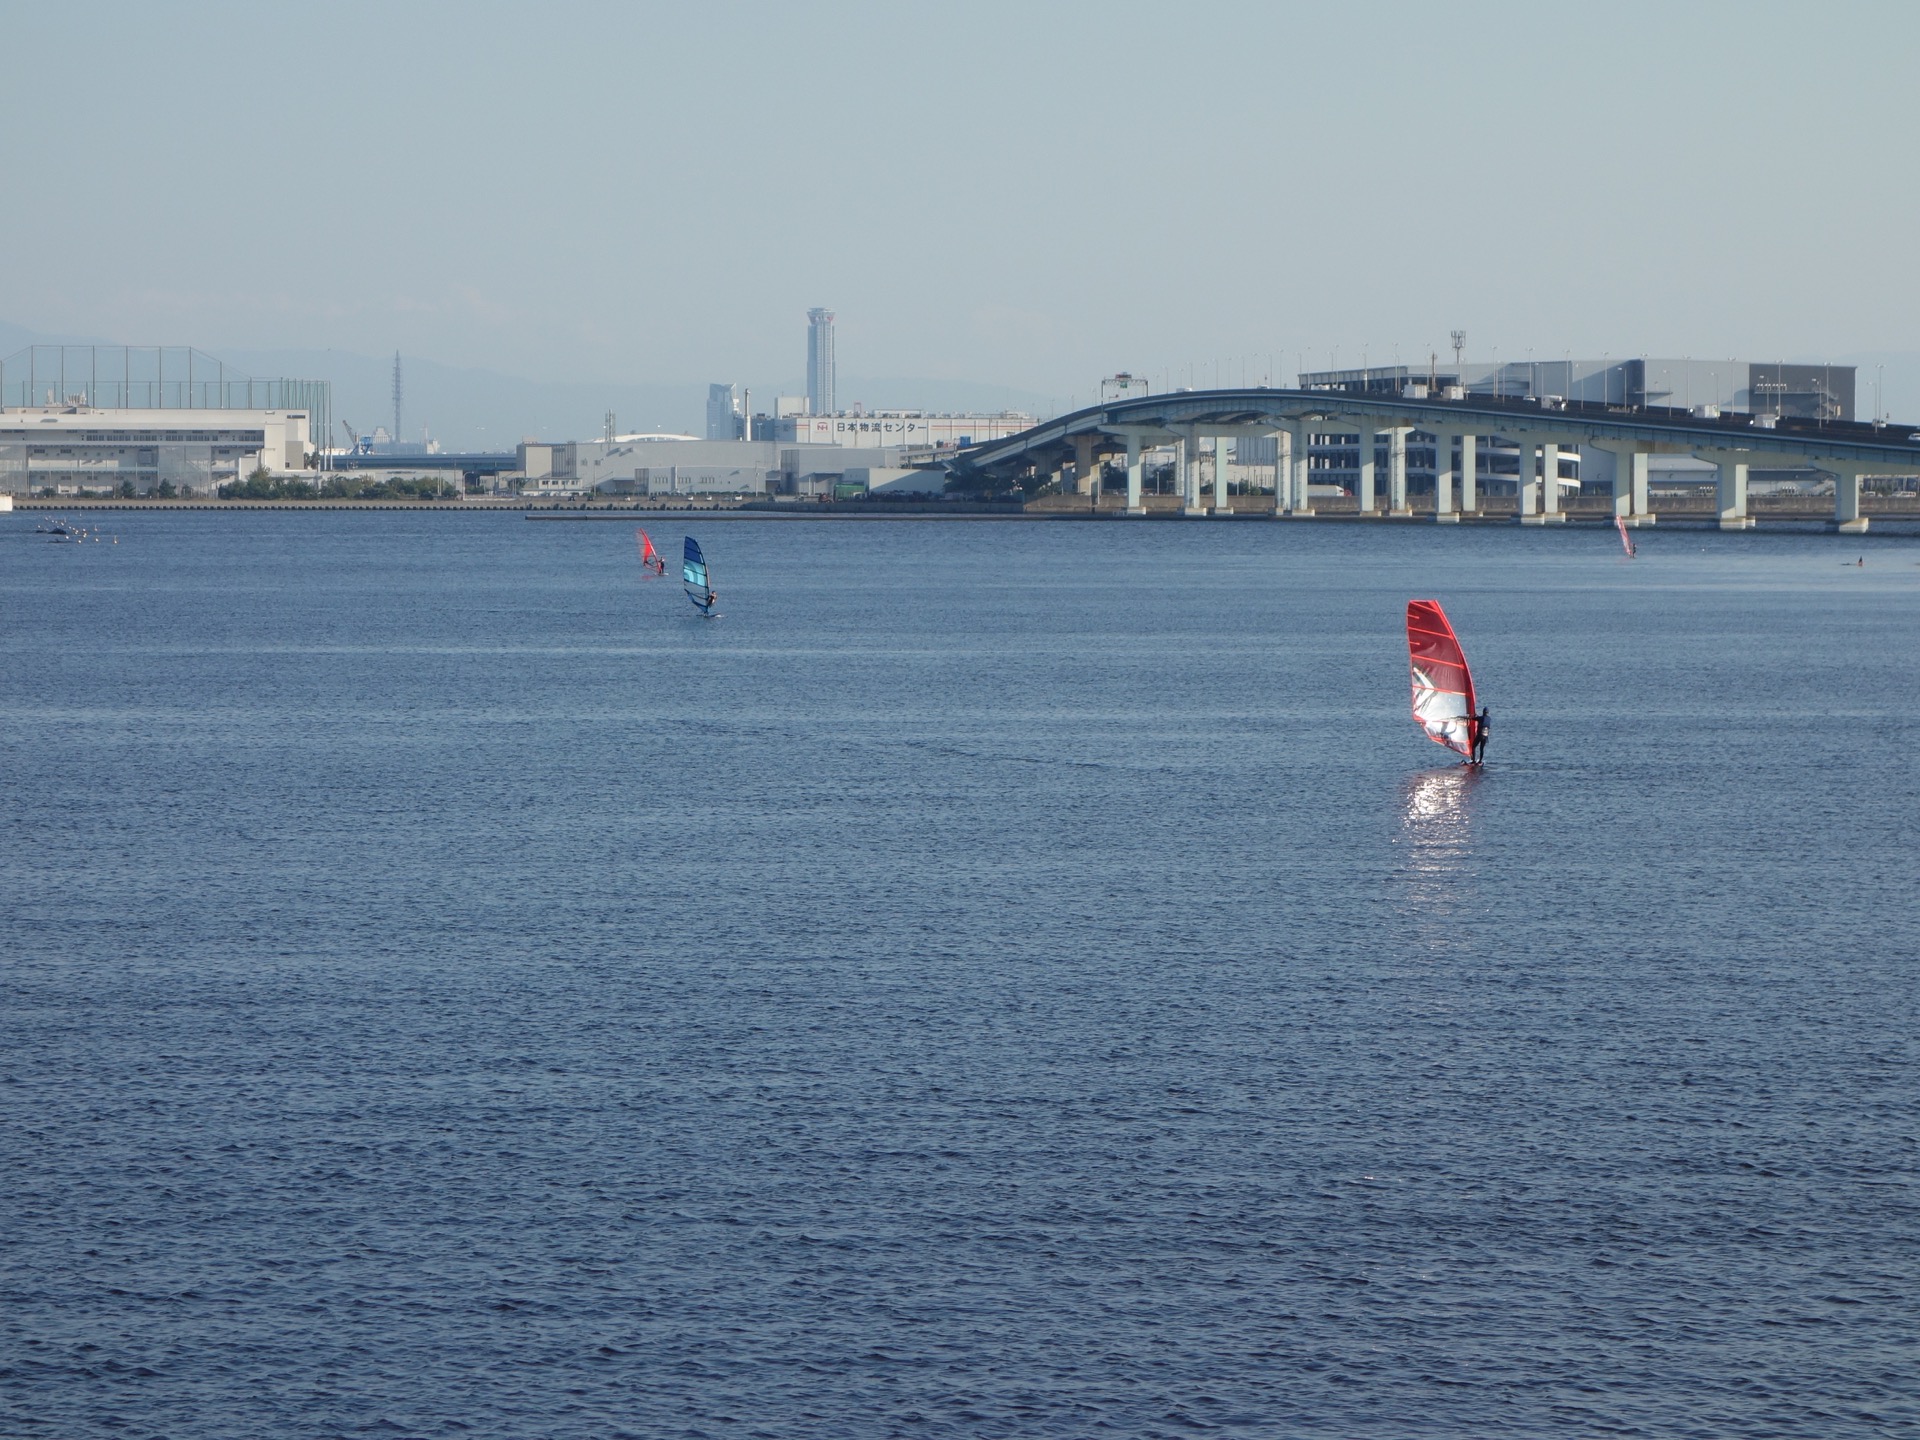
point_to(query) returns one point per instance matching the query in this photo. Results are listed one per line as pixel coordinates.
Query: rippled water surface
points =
(1000, 980)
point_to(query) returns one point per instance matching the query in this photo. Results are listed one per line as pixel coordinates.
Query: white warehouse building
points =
(73, 450)
(681, 465)
(92, 419)
(905, 429)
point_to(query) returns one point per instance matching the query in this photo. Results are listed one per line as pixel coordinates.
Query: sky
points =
(994, 198)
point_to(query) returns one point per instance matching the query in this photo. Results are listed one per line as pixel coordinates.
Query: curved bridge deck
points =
(1529, 435)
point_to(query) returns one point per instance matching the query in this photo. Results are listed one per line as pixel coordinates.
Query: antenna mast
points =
(1459, 344)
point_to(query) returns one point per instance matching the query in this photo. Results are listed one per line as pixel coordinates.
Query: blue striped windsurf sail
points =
(693, 571)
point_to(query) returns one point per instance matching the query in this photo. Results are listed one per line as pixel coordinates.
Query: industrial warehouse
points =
(121, 420)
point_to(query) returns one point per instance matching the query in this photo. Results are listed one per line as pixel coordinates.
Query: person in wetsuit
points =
(1478, 744)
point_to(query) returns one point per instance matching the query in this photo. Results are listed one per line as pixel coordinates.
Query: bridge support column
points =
(1847, 518)
(1470, 474)
(1135, 505)
(1730, 493)
(1299, 470)
(1397, 505)
(1220, 505)
(1629, 483)
(1190, 474)
(1282, 469)
(1363, 490)
(1550, 511)
(1523, 478)
(1443, 511)
(1630, 486)
(1085, 478)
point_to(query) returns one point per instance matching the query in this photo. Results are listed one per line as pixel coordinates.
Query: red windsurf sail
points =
(1442, 685)
(649, 556)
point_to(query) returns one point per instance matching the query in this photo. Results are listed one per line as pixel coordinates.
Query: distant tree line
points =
(263, 486)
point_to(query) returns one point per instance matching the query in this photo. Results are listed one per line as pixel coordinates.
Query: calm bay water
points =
(1000, 980)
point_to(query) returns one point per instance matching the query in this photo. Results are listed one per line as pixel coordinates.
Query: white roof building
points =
(74, 450)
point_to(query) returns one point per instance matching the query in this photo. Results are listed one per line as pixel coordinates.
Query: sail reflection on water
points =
(1436, 831)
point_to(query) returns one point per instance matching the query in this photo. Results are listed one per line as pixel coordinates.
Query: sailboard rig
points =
(1626, 540)
(693, 572)
(1442, 685)
(649, 557)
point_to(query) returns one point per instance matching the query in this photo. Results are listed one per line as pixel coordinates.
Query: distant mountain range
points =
(467, 409)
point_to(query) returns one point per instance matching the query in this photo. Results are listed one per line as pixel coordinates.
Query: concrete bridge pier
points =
(1550, 511)
(1634, 491)
(1220, 505)
(1363, 491)
(1629, 481)
(1469, 474)
(1397, 505)
(1528, 497)
(1847, 518)
(1730, 488)
(1191, 503)
(1135, 503)
(1630, 485)
(1086, 473)
(1541, 505)
(1282, 470)
(1299, 471)
(1443, 511)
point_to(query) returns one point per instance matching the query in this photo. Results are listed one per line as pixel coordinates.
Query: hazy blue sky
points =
(1030, 195)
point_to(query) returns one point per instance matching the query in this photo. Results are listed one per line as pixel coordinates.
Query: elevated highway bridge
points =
(1077, 445)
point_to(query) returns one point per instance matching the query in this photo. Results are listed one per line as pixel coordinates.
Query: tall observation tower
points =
(819, 362)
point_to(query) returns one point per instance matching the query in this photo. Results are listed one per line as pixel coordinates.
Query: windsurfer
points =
(712, 599)
(1443, 699)
(1478, 741)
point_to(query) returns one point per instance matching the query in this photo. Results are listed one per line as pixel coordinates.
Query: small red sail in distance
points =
(649, 557)
(1442, 685)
